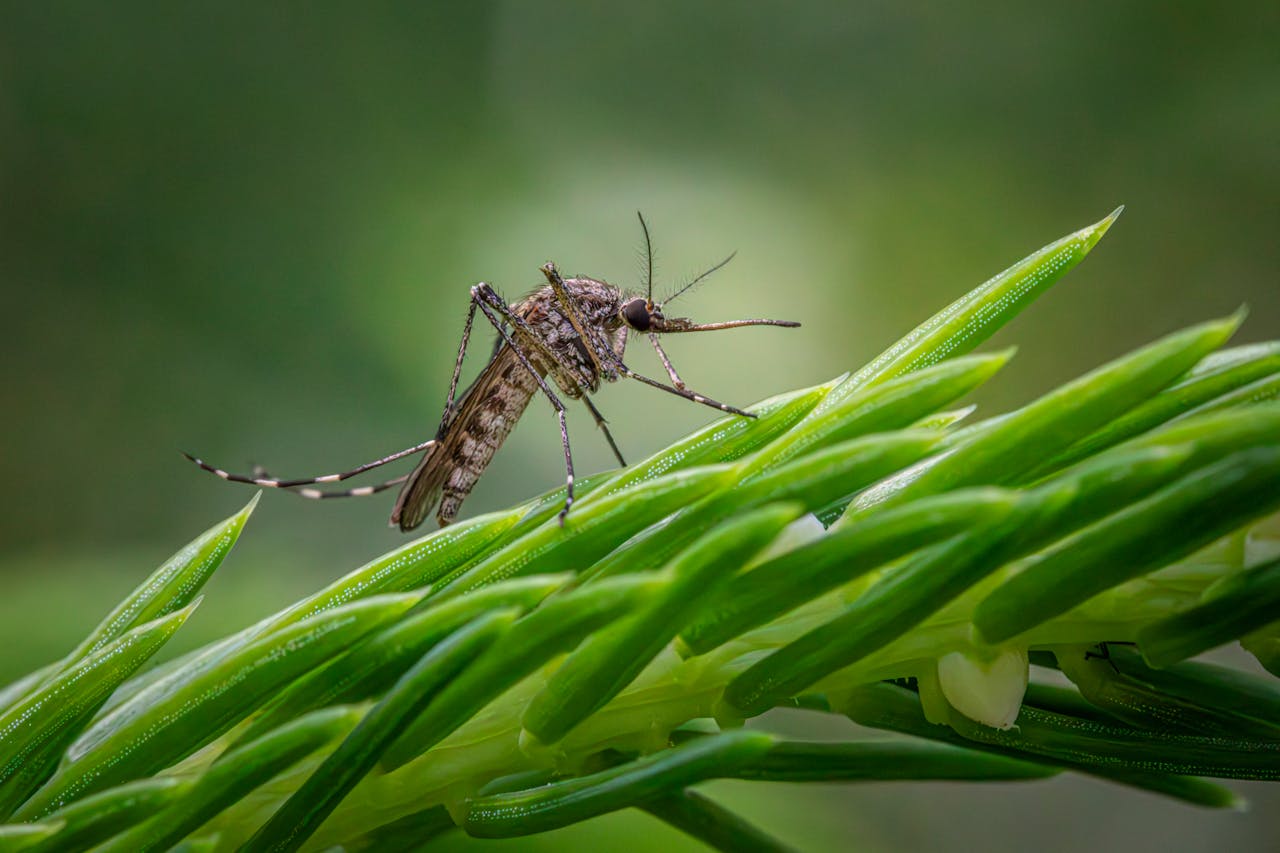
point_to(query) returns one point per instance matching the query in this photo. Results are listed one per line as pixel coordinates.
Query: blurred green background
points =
(249, 231)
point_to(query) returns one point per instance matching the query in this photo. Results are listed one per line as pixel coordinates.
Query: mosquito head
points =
(642, 315)
(645, 315)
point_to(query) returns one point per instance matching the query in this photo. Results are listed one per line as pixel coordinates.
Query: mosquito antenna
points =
(699, 278)
(648, 258)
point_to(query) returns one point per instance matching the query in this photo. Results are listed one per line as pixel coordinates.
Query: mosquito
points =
(571, 330)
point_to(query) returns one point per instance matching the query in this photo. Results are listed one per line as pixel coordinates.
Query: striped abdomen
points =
(485, 419)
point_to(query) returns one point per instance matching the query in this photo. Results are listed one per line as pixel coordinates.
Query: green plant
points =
(507, 676)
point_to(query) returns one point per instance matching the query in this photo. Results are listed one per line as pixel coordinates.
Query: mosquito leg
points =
(1103, 653)
(260, 477)
(598, 349)
(447, 415)
(604, 425)
(316, 494)
(483, 295)
(489, 297)
(274, 483)
(683, 392)
(362, 491)
(666, 362)
(409, 503)
(486, 297)
(678, 387)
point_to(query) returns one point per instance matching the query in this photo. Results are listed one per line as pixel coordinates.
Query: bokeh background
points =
(249, 230)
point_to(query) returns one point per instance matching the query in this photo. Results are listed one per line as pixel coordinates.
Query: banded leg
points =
(600, 351)
(682, 392)
(485, 297)
(359, 492)
(666, 362)
(447, 415)
(604, 425)
(318, 494)
(275, 483)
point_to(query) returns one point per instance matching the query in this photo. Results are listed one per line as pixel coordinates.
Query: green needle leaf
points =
(885, 760)
(550, 503)
(376, 661)
(893, 405)
(235, 775)
(712, 824)
(102, 815)
(1226, 360)
(24, 836)
(303, 812)
(724, 440)
(814, 481)
(1213, 435)
(1066, 701)
(1007, 450)
(608, 661)
(410, 567)
(591, 531)
(1053, 739)
(1168, 525)
(1196, 699)
(783, 583)
(910, 592)
(1215, 384)
(562, 803)
(943, 420)
(556, 627)
(34, 731)
(897, 602)
(169, 588)
(1230, 609)
(173, 585)
(1262, 390)
(1056, 736)
(16, 690)
(926, 582)
(405, 835)
(173, 718)
(37, 768)
(974, 317)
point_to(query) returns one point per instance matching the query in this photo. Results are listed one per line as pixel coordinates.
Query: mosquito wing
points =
(486, 414)
(420, 492)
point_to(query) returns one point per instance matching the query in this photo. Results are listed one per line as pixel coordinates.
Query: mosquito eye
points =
(636, 313)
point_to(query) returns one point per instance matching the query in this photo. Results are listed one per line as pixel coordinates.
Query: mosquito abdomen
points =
(484, 422)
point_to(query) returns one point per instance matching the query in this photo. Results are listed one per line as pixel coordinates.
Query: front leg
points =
(604, 426)
(666, 362)
(484, 296)
(447, 415)
(682, 392)
(601, 353)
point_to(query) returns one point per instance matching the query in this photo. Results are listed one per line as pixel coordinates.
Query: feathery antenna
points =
(699, 278)
(648, 258)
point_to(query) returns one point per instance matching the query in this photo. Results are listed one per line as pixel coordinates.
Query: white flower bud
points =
(986, 688)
